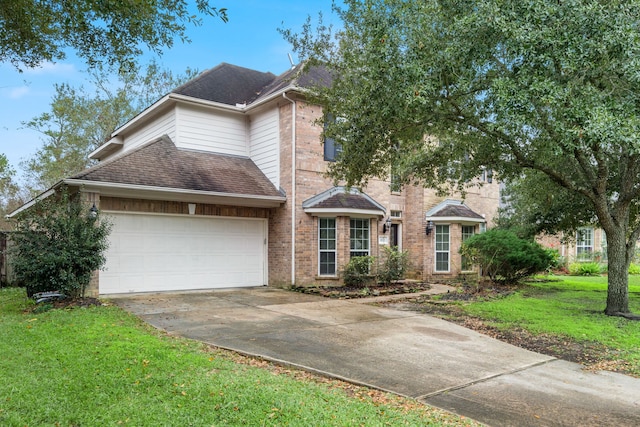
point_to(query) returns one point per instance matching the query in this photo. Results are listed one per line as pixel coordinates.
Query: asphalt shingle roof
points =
(230, 84)
(161, 164)
(346, 201)
(227, 84)
(458, 211)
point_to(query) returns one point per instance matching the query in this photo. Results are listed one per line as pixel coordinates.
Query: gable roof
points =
(453, 210)
(342, 200)
(227, 84)
(160, 165)
(233, 85)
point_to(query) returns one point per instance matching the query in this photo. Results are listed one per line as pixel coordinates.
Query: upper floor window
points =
(395, 185)
(487, 175)
(332, 149)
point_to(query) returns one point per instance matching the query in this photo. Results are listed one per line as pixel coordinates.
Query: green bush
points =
(58, 245)
(584, 269)
(393, 266)
(556, 259)
(505, 257)
(634, 269)
(358, 271)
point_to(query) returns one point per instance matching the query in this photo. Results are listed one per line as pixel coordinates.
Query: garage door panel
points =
(155, 253)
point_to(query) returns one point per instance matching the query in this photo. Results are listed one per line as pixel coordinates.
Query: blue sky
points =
(250, 39)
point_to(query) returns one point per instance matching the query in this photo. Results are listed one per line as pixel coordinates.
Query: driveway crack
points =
(485, 379)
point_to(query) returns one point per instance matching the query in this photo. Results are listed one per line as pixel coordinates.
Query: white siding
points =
(161, 125)
(264, 145)
(207, 130)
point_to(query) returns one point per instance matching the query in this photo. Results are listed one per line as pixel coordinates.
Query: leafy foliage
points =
(584, 269)
(58, 244)
(35, 32)
(9, 191)
(505, 257)
(439, 90)
(393, 266)
(533, 204)
(357, 272)
(634, 269)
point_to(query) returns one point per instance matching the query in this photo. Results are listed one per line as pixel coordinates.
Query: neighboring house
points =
(588, 244)
(222, 183)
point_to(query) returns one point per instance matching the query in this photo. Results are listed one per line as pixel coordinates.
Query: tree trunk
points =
(618, 280)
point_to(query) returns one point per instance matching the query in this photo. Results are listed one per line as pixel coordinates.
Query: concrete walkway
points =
(411, 354)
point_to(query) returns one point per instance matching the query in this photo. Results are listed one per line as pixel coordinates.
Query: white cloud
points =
(51, 68)
(19, 92)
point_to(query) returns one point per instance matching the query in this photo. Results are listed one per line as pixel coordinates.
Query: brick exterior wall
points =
(310, 180)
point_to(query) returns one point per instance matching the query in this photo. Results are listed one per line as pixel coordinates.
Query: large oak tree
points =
(442, 89)
(116, 31)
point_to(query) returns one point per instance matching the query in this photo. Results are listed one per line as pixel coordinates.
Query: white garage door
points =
(166, 253)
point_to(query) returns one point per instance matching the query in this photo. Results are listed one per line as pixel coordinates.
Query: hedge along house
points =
(221, 183)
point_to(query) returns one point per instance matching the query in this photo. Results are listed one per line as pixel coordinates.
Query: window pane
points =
(465, 263)
(327, 246)
(442, 261)
(327, 263)
(359, 236)
(442, 248)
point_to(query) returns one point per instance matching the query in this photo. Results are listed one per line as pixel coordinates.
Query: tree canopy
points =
(442, 89)
(33, 32)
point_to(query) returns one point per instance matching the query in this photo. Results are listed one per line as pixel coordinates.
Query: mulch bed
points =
(350, 292)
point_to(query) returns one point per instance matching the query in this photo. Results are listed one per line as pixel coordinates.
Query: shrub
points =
(393, 266)
(58, 245)
(584, 269)
(554, 256)
(358, 271)
(634, 269)
(505, 257)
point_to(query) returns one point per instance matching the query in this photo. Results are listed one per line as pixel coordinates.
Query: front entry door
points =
(394, 236)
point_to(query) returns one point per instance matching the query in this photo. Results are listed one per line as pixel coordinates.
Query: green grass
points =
(102, 366)
(569, 307)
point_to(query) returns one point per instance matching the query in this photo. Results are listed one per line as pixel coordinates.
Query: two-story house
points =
(221, 183)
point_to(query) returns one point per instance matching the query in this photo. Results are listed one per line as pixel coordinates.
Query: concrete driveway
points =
(411, 354)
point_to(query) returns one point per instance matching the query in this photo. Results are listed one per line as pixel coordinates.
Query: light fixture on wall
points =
(429, 227)
(93, 212)
(386, 226)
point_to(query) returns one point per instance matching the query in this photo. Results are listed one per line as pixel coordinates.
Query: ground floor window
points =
(327, 246)
(442, 248)
(584, 243)
(465, 262)
(359, 237)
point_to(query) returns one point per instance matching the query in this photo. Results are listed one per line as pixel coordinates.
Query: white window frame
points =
(465, 236)
(353, 239)
(328, 249)
(442, 247)
(584, 242)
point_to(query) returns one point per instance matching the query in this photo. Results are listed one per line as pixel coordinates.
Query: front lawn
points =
(102, 366)
(562, 316)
